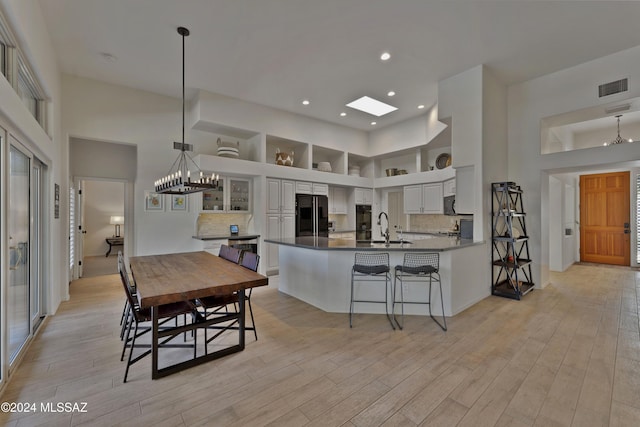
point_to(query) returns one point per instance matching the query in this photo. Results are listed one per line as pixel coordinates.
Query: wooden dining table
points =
(163, 279)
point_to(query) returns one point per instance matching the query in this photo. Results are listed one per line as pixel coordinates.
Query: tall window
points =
(19, 73)
(30, 93)
(3, 59)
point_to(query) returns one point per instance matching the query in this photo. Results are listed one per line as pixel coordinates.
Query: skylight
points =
(371, 106)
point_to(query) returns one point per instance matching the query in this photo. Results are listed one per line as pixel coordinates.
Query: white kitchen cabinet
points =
(281, 196)
(278, 227)
(449, 187)
(320, 189)
(281, 207)
(312, 188)
(423, 199)
(338, 200)
(304, 187)
(364, 196)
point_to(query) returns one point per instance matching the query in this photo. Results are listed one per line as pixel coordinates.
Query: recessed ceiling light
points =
(385, 56)
(420, 107)
(371, 106)
(374, 123)
(305, 102)
(343, 114)
(391, 93)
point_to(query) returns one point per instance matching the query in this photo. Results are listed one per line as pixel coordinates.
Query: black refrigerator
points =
(312, 215)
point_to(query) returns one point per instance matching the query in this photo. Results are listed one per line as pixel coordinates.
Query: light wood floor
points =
(565, 356)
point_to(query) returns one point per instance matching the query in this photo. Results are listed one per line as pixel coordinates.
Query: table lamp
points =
(117, 220)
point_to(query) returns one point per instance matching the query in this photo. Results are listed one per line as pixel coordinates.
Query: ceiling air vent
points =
(613, 87)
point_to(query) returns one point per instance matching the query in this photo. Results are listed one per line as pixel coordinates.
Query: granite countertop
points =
(343, 231)
(227, 237)
(324, 243)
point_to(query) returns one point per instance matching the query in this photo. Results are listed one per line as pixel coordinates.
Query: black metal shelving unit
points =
(511, 263)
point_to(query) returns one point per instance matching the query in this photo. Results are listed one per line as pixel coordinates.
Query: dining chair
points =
(139, 315)
(230, 254)
(250, 260)
(217, 305)
(126, 312)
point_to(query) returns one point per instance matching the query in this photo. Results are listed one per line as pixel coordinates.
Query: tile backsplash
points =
(218, 224)
(341, 221)
(433, 223)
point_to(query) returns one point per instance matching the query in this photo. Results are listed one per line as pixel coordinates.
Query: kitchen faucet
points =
(386, 233)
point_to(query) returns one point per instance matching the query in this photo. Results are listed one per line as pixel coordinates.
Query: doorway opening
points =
(101, 210)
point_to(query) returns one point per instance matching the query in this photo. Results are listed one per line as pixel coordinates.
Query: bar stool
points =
(372, 267)
(417, 267)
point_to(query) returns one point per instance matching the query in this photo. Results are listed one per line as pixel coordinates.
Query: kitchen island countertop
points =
(324, 243)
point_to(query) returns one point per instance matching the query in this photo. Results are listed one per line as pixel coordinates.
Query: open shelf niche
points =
(335, 158)
(300, 151)
(249, 143)
(367, 166)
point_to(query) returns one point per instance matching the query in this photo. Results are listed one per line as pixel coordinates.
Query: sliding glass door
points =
(17, 304)
(24, 303)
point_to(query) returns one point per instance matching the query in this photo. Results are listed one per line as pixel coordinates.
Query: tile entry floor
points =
(568, 355)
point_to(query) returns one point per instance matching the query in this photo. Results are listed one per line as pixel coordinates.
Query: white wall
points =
(99, 159)
(102, 199)
(560, 92)
(414, 132)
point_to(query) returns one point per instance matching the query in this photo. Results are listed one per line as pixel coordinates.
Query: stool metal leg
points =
(444, 319)
(351, 304)
(395, 285)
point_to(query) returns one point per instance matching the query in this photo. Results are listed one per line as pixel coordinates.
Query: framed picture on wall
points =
(179, 202)
(154, 202)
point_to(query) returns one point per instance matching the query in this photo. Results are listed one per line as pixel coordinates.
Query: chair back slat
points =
(412, 259)
(127, 290)
(250, 260)
(232, 254)
(224, 251)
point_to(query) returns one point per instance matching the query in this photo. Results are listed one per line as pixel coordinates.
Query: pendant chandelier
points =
(618, 139)
(179, 180)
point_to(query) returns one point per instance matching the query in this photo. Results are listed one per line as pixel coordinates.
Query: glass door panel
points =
(239, 195)
(19, 254)
(37, 242)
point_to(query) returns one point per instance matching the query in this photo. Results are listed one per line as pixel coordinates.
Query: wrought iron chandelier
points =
(179, 179)
(618, 139)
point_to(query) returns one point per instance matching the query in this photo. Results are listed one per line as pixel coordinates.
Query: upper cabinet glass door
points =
(239, 195)
(213, 200)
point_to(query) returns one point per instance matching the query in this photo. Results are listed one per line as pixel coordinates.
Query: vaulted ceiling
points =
(281, 52)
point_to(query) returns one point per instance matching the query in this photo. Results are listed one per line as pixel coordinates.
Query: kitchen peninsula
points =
(317, 270)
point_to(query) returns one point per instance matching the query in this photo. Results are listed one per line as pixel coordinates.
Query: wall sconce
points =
(117, 221)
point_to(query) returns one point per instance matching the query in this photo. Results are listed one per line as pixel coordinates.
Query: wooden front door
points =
(604, 218)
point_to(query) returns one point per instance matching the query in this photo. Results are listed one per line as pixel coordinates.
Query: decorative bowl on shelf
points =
(443, 160)
(391, 171)
(228, 149)
(324, 166)
(284, 159)
(401, 172)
